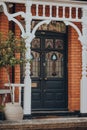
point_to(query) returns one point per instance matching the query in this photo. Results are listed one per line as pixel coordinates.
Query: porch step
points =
(39, 114)
(64, 123)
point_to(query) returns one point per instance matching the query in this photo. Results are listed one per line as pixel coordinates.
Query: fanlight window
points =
(54, 26)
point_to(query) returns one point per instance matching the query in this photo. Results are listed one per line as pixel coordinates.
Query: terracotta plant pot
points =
(13, 112)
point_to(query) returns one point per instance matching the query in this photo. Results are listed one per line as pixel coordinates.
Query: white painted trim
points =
(72, 2)
(13, 85)
(56, 19)
(75, 27)
(39, 24)
(11, 17)
(83, 96)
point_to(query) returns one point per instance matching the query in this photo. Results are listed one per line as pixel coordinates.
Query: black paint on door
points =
(49, 71)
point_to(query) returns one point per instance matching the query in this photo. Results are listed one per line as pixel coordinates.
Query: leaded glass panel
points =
(54, 64)
(59, 44)
(35, 43)
(35, 64)
(54, 26)
(49, 43)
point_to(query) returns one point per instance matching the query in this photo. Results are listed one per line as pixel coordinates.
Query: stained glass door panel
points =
(54, 65)
(48, 72)
(35, 64)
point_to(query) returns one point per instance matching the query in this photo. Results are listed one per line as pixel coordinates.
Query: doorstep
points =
(55, 113)
(58, 123)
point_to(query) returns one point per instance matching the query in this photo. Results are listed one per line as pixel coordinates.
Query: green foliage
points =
(9, 46)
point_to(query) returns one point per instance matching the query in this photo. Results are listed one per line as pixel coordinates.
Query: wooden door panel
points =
(49, 89)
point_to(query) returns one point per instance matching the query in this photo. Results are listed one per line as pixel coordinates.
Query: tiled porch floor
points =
(52, 123)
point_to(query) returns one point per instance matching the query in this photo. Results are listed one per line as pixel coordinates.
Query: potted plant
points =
(9, 46)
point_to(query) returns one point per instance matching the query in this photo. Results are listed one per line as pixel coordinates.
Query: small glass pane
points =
(35, 43)
(49, 43)
(54, 64)
(58, 44)
(35, 64)
(63, 27)
(54, 57)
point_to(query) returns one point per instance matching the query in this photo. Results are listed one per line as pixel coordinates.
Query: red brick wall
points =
(4, 25)
(4, 29)
(74, 69)
(74, 61)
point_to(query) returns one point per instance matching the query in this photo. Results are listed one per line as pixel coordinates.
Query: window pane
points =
(59, 44)
(35, 64)
(49, 43)
(54, 64)
(35, 43)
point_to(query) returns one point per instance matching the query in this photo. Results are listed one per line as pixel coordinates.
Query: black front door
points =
(49, 72)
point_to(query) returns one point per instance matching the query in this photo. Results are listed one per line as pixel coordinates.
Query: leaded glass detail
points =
(35, 64)
(54, 57)
(59, 44)
(35, 43)
(54, 64)
(54, 26)
(49, 43)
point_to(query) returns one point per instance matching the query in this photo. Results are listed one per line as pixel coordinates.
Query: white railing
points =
(3, 94)
(14, 86)
(67, 8)
(56, 11)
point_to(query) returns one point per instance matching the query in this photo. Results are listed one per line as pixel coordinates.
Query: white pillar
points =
(83, 88)
(27, 80)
